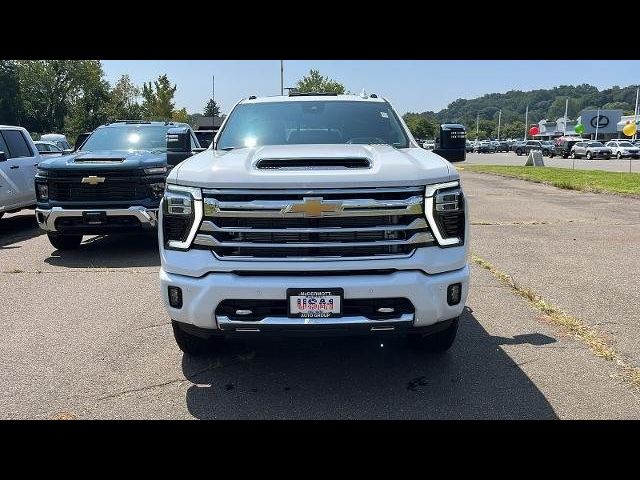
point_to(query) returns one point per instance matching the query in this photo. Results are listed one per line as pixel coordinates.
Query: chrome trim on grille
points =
(418, 223)
(211, 241)
(315, 191)
(276, 208)
(226, 323)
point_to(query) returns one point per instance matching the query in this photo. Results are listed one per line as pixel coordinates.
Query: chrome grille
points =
(314, 224)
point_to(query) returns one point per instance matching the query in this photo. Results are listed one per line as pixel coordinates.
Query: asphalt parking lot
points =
(85, 335)
(510, 158)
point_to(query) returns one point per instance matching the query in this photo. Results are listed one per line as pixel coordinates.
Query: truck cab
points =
(113, 183)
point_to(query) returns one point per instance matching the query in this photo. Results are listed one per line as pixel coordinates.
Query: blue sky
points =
(410, 85)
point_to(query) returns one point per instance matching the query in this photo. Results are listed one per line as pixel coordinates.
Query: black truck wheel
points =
(64, 242)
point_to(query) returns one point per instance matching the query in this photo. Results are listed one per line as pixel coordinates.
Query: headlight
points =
(155, 170)
(445, 212)
(42, 191)
(181, 216)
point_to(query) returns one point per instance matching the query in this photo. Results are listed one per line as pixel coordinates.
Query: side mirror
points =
(178, 145)
(198, 150)
(3, 157)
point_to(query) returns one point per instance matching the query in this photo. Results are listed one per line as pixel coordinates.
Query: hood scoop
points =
(312, 163)
(98, 159)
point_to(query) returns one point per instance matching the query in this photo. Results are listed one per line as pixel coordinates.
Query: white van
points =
(18, 160)
(57, 138)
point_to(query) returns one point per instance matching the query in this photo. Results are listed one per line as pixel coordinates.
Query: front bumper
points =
(147, 218)
(427, 293)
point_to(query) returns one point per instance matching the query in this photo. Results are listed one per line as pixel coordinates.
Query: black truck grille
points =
(121, 186)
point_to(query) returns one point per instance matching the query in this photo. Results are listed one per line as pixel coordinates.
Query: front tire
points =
(573, 155)
(436, 342)
(588, 155)
(191, 344)
(618, 155)
(64, 242)
(518, 152)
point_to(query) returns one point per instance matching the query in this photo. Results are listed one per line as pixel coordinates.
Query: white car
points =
(57, 138)
(623, 149)
(18, 160)
(48, 149)
(312, 215)
(429, 145)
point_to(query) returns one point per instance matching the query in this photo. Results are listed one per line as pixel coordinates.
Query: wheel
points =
(436, 342)
(573, 155)
(518, 152)
(565, 156)
(619, 155)
(64, 242)
(588, 155)
(191, 344)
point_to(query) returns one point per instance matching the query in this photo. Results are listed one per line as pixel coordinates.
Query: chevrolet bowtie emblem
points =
(313, 207)
(92, 180)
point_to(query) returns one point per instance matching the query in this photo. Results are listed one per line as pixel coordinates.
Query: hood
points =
(385, 166)
(105, 160)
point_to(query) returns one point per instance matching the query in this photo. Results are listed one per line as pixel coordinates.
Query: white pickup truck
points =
(313, 214)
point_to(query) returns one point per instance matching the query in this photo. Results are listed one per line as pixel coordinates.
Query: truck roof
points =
(120, 123)
(312, 98)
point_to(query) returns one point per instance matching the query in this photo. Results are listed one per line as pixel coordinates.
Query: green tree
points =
(123, 101)
(9, 93)
(316, 83)
(180, 115)
(157, 97)
(420, 126)
(513, 130)
(50, 88)
(211, 109)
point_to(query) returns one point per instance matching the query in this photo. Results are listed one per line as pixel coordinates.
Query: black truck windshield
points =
(312, 122)
(128, 138)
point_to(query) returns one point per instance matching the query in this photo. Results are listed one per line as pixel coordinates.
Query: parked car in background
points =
(468, 146)
(562, 146)
(57, 138)
(48, 149)
(484, 146)
(429, 145)
(503, 146)
(623, 149)
(515, 144)
(547, 146)
(529, 145)
(590, 149)
(18, 160)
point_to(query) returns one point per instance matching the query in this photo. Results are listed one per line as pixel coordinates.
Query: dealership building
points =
(609, 124)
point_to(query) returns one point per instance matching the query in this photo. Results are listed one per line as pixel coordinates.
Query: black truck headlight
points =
(445, 212)
(42, 191)
(181, 216)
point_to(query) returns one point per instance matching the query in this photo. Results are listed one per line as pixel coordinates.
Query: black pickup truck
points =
(524, 149)
(113, 183)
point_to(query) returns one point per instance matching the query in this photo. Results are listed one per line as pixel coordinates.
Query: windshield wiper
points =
(226, 149)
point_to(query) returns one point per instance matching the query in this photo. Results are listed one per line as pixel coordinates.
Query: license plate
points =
(94, 218)
(315, 303)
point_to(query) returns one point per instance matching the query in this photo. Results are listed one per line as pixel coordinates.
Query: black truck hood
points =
(105, 160)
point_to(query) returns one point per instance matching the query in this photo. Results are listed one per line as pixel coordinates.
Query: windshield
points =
(312, 122)
(625, 144)
(128, 138)
(595, 144)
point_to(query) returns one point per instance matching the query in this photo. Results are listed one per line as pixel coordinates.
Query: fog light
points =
(175, 297)
(157, 189)
(454, 291)
(43, 191)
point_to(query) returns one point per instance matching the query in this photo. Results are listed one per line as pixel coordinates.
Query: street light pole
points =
(499, 120)
(566, 108)
(597, 123)
(281, 77)
(526, 122)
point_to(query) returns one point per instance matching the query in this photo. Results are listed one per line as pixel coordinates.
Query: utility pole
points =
(635, 114)
(566, 108)
(597, 123)
(477, 125)
(499, 120)
(526, 122)
(281, 77)
(213, 89)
